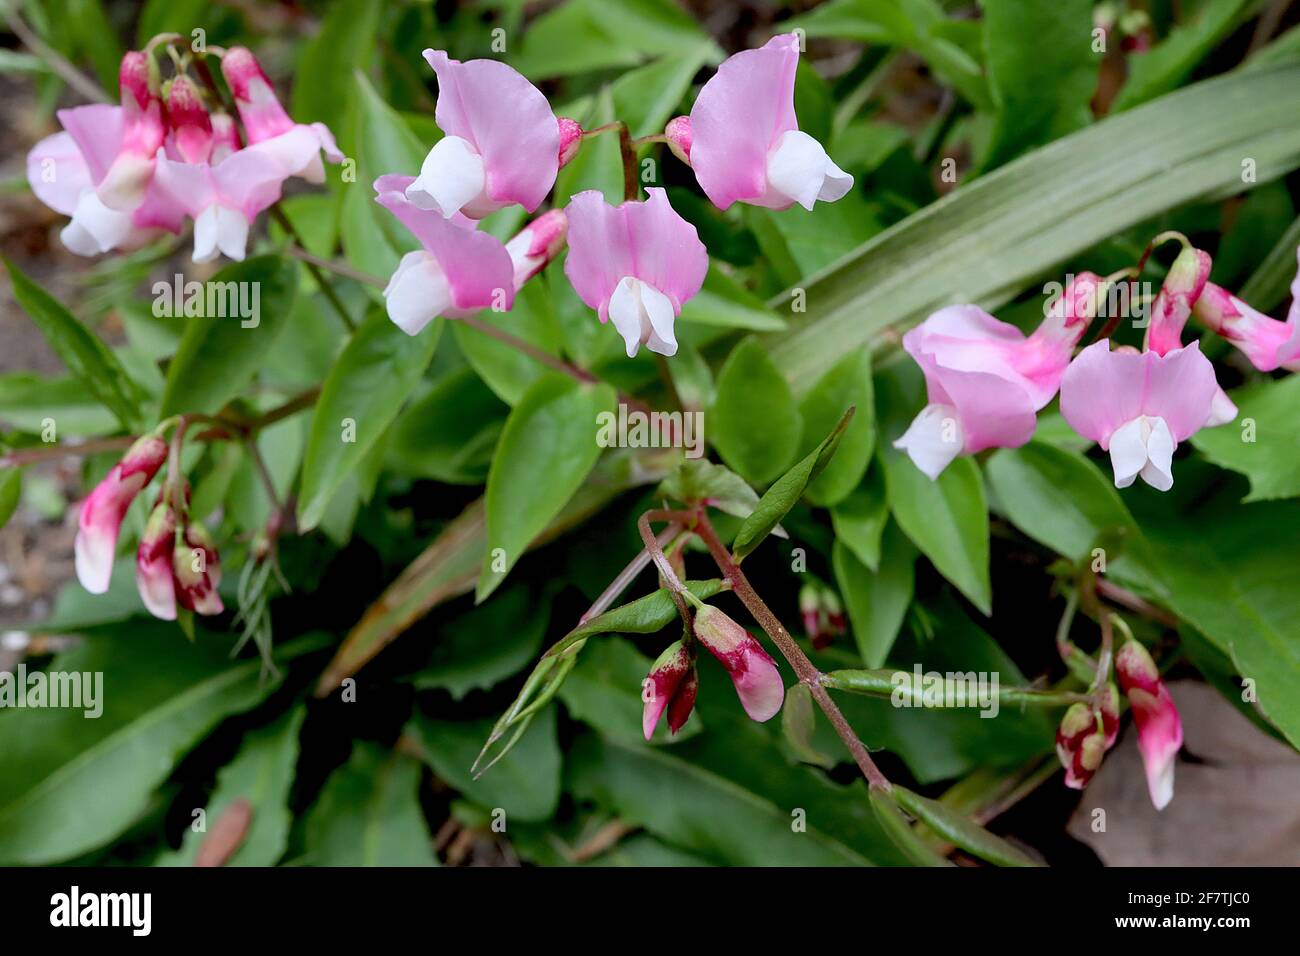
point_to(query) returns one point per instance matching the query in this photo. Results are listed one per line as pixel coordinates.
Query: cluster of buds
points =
(635, 264)
(986, 380)
(125, 174)
(672, 683)
(1088, 730)
(822, 613)
(177, 562)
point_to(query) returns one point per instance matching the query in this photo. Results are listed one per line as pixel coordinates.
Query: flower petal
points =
(417, 293)
(1102, 390)
(933, 439)
(1181, 389)
(452, 177)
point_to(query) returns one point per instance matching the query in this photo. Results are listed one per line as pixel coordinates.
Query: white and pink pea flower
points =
(985, 379)
(636, 264)
(101, 514)
(458, 272)
(1139, 406)
(153, 562)
(743, 139)
(296, 146)
(502, 143)
(671, 685)
(1266, 342)
(124, 182)
(1159, 728)
(752, 670)
(534, 246)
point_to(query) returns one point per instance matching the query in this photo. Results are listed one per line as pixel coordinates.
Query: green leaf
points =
(947, 519)
(876, 601)
(725, 303)
(525, 782)
(368, 814)
(261, 773)
(859, 520)
(547, 448)
(323, 77)
(27, 400)
(754, 423)
(787, 490)
(1039, 98)
(846, 385)
(82, 352)
(218, 355)
(647, 98)
(1265, 451)
(11, 488)
(450, 433)
(359, 399)
(892, 821)
(960, 831)
(698, 480)
(505, 369)
(570, 39)
(157, 702)
(1025, 219)
(798, 718)
(1172, 60)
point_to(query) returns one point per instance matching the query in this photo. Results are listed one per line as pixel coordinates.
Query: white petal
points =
(232, 232)
(933, 439)
(627, 314)
(1128, 452)
(205, 235)
(1158, 471)
(799, 169)
(93, 553)
(1222, 410)
(451, 177)
(1160, 784)
(123, 186)
(157, 592)
(659, 309)
(417, 293)
(95, 228)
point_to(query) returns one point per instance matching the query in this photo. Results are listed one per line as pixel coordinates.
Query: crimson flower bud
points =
(678, 134)
(1160, 729)
(570, 139)
(671, 684)
(752, 670)
(153, 562)
(197, 568)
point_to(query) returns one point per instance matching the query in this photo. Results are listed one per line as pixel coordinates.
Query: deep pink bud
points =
(102, 512)
(570, 139)
(124, 183)
(1080, 745)
(1160, 729)
(153, 563)
(534, 246)
(255, 98)
(752, 670)
(197, 568)
(670, 685)
(188, 119)
(678, 133)
(1181, 288)
(137, 80)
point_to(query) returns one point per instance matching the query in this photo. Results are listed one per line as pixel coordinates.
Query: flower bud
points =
(197, 568)
(1080, 745)
(259, 109)
(678, 133)
(752, 670)
(570, 139)
(153, 562)
(671, 684)
(1265, 341)
(534, 246)
(1181, 288)
(191, 127)
(124, 183)
(103, 510)
(1160, 729)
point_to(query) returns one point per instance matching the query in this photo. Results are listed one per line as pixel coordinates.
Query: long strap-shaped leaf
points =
(985, 242)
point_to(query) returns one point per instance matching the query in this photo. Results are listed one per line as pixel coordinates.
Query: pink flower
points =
(189, 125)
(744, 141)
(537, 244)
(123, 184)
(153, 562)
(197, 570)
(1084, 736)
(102, 512)
(1139, 406)
(458, 272)
(502, 142)
(671, 685)
(65, 169)
(985, 380)
(224, 199)
(635, 264)
(1266, 342)
(1160, 729)
(296, 146)
(752, 670)
(1180, 290)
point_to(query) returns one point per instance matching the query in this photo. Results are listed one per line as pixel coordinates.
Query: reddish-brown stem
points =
(627, 150)
(807, 673)
(626, 577)
(656, 552)
(30, 456)
(1126, 598)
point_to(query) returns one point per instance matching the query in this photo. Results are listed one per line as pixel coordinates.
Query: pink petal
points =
(97, 130)
(1181, 388)
(738, 117)
(1101, 390)
(995, 412)
(520, 145)
(476, 264)
(600, 249)
(250, 180)
(57, 172)
(188, 185)
(666, 248)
